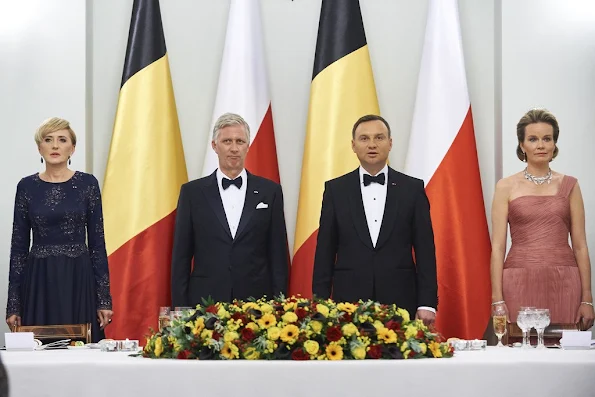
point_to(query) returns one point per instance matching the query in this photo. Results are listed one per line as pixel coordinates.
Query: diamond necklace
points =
(539, 180)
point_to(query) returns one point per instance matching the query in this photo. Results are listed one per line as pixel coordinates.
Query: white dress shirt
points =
(374, 198)
(233, 200)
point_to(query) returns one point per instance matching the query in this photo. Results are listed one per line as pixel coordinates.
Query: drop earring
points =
(42, 160)
(525, 154)
(69, 160)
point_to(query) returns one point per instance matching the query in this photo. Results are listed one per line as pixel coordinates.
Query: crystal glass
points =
(164, 317)
(499, 322)
(523, 320)
(542, 320)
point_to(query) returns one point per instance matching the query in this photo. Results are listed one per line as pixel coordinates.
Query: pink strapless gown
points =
(540, 269)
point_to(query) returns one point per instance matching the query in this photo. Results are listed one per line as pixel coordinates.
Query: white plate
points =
(93, 346)
(76, 347)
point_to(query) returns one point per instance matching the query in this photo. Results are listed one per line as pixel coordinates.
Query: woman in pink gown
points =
(543, 208)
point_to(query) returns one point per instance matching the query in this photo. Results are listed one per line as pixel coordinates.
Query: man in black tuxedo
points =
(232, 224)
(371, 219)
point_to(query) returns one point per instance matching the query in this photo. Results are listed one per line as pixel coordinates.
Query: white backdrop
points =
(66, 57)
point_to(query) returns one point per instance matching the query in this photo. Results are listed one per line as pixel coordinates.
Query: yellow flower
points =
(435, 349)
(229, 351)
(378, 325)
(148, 346)
(206, 334)
(290, 317)
(316, 326)
(252, 326)
(273, 333)
(311, 347)
(249, 305)
(158, 347)
(349, 330)
(363, 318)
(334, 352)
(406, 354)
(322, 309)
(267, 321)
(199, 325)
(230, 336)
(404, 315)
(334, 313)
(173, 341)
(347, 307)
(290, 333)
(410, 331)
(359, 353)
(251, 354)
(266, 308)
(270, 347)
(222, 313)
(289, 306)
(423, 348)
(387, 335)
(404, 346)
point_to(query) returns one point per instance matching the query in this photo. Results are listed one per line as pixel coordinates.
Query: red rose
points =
(334, 334)
(301, 313)
(236, 316)
(346, 318)
(184, 354)
(247, 334)
(394, 325)
(299, 355)
(216, 335)
(375, 352)
(411, 354)
(420, 334)
(212, 309)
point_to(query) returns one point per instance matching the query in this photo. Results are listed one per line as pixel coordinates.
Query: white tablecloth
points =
(495, 372)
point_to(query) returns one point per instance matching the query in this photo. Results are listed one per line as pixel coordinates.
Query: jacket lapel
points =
(253, 194)
(214, 199)
(391, 208)
(357, 209)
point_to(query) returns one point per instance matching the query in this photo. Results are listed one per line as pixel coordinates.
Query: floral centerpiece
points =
(296, 329)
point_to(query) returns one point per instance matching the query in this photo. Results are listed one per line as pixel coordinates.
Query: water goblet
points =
(542, 320)
(523, 320)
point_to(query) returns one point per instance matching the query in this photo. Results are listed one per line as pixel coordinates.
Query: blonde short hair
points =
(227, 120)
(52, 125)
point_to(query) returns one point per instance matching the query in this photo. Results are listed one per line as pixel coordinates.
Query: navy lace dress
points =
(63, 277)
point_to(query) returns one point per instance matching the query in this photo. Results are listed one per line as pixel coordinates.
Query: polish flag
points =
(442, 152)
(243, 89)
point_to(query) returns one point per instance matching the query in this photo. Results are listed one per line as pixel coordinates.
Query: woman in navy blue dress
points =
(63, 277)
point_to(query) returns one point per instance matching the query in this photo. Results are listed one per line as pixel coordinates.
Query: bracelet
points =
(497, 303)
(587, 303)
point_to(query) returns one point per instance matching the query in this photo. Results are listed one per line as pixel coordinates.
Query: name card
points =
(19, 341)
(576, 340)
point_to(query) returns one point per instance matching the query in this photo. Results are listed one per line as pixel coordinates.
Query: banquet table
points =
(496, 372)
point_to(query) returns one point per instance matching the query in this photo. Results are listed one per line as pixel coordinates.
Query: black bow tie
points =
(378, 179)
(228, 182)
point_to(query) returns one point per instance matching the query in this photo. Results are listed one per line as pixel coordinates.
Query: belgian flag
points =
(342, 91)
(145, 170)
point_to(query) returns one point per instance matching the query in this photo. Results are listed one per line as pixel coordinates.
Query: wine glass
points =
(164, 317)
(542, 320)
(499, 322)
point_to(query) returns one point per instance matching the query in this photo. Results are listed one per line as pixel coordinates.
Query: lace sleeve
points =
(97, 250)
(19, 250)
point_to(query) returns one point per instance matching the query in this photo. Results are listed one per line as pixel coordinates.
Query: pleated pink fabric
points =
(540, 269)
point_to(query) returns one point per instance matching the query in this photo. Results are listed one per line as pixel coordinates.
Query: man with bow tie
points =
(231, 223)
(371, 221)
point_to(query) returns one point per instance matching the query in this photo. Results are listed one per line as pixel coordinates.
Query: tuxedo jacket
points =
(253, 264)
(348, 267)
